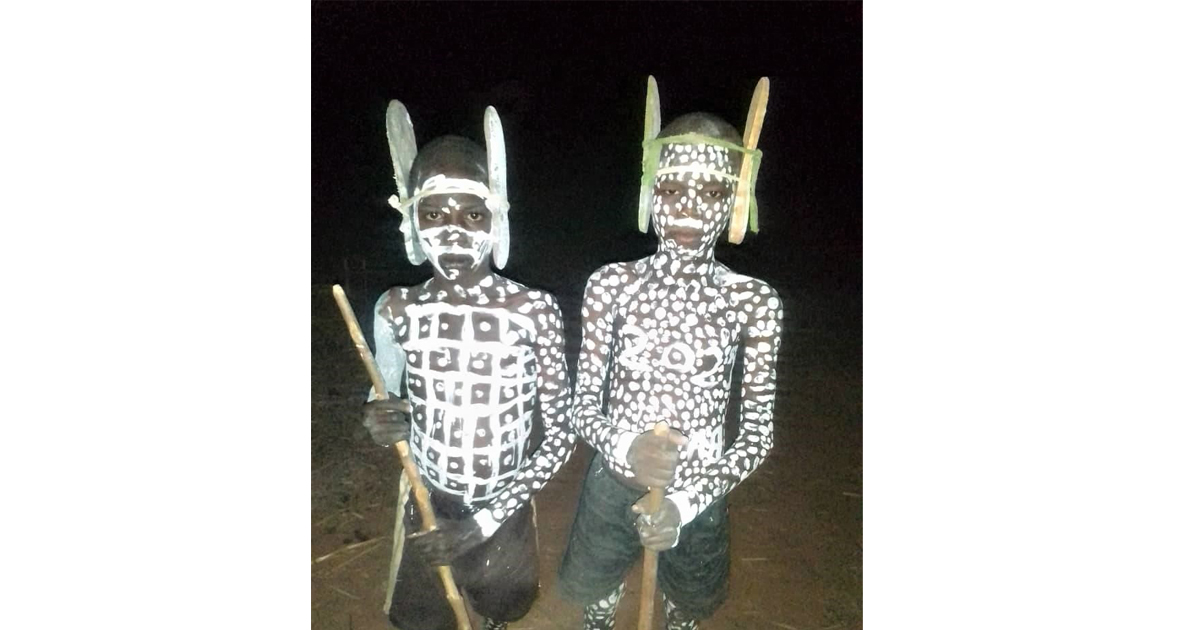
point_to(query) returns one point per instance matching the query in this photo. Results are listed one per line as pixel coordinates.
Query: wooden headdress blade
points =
(754, 122)
(649, 156)
(402, 144)
(498, 183)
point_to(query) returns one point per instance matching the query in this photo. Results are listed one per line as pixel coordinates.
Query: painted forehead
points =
(452, 181)
(449, 190)
(696, 158)
(454, 200)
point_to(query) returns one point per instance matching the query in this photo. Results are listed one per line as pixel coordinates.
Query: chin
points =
(690, 244)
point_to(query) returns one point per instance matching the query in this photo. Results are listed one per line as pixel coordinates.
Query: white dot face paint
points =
(700, 180)
(443, 241)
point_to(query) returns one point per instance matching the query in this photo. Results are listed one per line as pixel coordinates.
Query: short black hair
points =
(454, 155)
(705, 124)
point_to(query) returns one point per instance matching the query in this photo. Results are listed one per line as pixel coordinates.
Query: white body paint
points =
(461, 386)
(451, 239)
(441, 185)
(666, 331)
(690, 166)
(689, 223)
(433, 240)
(474, 373)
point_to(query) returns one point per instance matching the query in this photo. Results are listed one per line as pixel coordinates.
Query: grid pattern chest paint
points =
(476, 366)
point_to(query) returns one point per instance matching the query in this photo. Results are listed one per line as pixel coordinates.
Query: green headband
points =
(652, 152)
(745, 206)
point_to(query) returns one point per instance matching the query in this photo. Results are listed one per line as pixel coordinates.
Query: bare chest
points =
(678, 335)
(467, 356)
(471, 374)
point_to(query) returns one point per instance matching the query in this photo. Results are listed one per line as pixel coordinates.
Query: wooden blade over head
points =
(653, 124)
(497, 158)
(754, 122)
(402, 144)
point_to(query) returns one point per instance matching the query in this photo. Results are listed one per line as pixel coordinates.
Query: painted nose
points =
(459, 220)
(688, 204)
(458, 236)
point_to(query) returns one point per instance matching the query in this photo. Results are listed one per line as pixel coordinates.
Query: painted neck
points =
(683, 265)
(670, 248)
(463, 283)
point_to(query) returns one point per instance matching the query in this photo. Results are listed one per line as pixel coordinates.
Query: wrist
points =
(687, 512)
(486, 522)
(621, 450)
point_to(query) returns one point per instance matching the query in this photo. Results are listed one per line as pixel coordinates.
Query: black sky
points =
(569, 81)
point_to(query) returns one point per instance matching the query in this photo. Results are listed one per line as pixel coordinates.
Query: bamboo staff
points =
(649, 557)
(429, 520)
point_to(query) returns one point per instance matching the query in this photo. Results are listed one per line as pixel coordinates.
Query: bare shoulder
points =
(757, 298)
(616, 274)
(607, 286)
(526, 300)
(396, 299)
(393, 302)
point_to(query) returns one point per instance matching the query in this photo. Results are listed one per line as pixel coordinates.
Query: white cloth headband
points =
(442, 185)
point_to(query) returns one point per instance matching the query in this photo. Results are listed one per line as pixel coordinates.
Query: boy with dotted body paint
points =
(666, 330)
(476, 353)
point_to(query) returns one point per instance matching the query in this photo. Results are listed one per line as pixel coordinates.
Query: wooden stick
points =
(650, 558)
(428, 518)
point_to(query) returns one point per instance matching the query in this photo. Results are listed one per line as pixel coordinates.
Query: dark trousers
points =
(499, 577)
(604, 546)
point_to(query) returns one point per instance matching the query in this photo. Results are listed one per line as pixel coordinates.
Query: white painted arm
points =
(388, 354)
(595, 352)
(761, 335)
(554, 401)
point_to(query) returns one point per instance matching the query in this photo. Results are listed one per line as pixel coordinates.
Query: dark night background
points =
(569, 82)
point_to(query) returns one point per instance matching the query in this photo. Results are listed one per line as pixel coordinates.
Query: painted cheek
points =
(661, 209)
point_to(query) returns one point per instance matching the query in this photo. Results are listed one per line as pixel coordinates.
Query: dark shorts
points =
(604, 546)
(499, 578)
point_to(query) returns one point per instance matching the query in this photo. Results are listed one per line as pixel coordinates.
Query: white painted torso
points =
(675, 348)
(469, 389)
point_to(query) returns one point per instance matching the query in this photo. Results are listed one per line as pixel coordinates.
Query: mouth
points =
(683, 233)
(456, 261)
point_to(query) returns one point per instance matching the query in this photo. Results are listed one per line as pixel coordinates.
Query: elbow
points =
(763, 440)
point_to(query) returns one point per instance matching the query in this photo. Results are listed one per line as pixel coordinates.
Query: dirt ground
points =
(796, 522)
